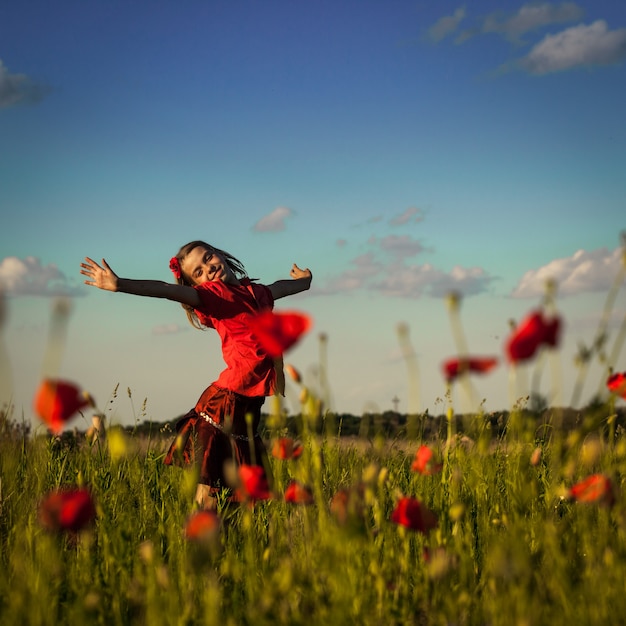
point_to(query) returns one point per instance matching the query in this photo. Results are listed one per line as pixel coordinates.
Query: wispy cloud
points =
(273, 222)
(18, 89)
(585, 271)
(579, 46)
(28, 277)
(531, 17)
(169, 329)
(410, 215)
(446, 25)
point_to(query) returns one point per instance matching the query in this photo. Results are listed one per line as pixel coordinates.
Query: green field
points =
(510, 545)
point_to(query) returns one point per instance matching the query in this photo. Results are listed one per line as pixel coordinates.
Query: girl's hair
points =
(235, 265)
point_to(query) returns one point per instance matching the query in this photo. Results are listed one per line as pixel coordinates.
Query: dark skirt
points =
(216, 431)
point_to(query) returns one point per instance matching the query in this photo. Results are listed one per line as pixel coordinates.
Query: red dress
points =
(216, 430)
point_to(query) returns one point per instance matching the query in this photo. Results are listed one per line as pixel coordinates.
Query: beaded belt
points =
(219, 427)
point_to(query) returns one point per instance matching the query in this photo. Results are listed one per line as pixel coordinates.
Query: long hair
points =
(235, 265)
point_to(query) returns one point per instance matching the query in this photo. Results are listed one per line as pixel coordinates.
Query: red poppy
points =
(534, 331)
(293, 373)
(424, 462)
(595, 488)
(348, 505)
(296, 493)
(253, 483)
(412, 514)
(286, 448)
(452, 368)
(202, 526)
(67, 510)
(56, 401)
(617, 384)
(277, 332)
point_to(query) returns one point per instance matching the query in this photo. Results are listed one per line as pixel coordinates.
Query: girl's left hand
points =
(296, 272)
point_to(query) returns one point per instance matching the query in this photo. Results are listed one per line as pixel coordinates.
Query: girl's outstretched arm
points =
(103, 277)
(301, 282)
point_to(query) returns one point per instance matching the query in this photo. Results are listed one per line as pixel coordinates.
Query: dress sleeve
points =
(263, 296)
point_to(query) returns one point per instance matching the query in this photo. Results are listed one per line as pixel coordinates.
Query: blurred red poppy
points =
(67, 510)
(534, 331)
(202, 526)
(452, 368)
(56, 401)
(424, 462)
(286, 448)
(296, 493)
(617, 384)
(277, 332)
(595, 488)
(293, 373)
(253, 483)
(412, 514)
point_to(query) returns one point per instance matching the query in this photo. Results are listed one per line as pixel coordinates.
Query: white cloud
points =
(28, 277)
(18, 89)
(579, 46)
(446, 25)
(412, 214)
(580, 273)
(398, 279)
(530, 17)
(273, 222)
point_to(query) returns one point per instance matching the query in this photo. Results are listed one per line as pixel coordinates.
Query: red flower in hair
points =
(277, 332)
(424, 462)
(617, 384)
(297, 493)
(175, 267)
(533, 332)
(56, 401)
(595, 488)
(452, 368)
(67, 510)
(412, 514)
(286, 448)
(253, 483)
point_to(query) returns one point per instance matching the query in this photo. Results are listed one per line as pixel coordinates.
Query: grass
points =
(509, 548)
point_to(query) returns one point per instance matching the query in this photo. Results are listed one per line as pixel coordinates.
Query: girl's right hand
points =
(102, 277)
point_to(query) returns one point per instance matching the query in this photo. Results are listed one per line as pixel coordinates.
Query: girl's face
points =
(204, 265)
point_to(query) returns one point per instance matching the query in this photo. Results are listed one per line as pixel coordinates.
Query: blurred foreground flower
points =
(348, 506)
(202, 526)
(293, 373)
(596, 488)
(253, 483)
(425, 463)
(534, 331)
(453, 368)
(616, 384)
(277, 332)
(286, 448)
(67, 510)
(297, 493)
(56, 401)
(412, 514)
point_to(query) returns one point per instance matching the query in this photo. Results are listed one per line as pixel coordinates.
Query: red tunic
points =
(226, 308)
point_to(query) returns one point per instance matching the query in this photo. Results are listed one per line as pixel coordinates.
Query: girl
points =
(214, 289)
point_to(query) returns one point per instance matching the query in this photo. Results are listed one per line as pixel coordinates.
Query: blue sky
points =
(400, 150)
